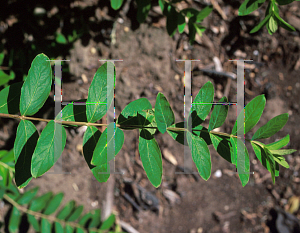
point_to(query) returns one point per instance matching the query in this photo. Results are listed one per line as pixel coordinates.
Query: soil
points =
(220, 204)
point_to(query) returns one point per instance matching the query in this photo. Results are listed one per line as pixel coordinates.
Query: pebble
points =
(218, 173)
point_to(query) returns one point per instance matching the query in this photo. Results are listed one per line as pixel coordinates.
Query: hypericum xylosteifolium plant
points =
(34, 154)
(178, 19)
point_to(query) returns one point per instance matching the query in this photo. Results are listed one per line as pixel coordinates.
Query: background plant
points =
(45, 213)
(35, 154)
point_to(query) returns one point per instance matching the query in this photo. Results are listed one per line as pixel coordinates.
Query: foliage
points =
(34, 155)
(5, 78)
(40, 210)
(192, 18)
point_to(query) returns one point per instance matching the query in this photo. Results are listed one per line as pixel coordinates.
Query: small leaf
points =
(249, 6)
(97, 103)
(95, 219)
(76, 214)
(273, 25)
(281, 160)
(253, 112)
(108, 223)
(181, 23)
(151, 157)
(90, 139)
(272, 127)
(285, 2)
(58, 227)
(261, 24)
(47, 151)
(33, 222)
(37, 86)
(61, 39)
(242, 159)
(164, 114)
(129, 115)
(66, 211)
(172, 20)
(25, 142)
(73, 112)
(10, 98)
(218, 115)
(14, 220)
(28, 196)
(200, 154)
(192, 30)
(177, 135)
(100, 155)
(190, 12)
(202, 103)
(282, 152)
(116, 4)
(204, 13)
(143, 9)
(222, 145)
(45, 226)
(203, 133)
(283, 24)
(40, 203)
(265, 157)
(54, 203)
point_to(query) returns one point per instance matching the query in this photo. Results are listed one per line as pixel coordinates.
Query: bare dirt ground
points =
(186, 203)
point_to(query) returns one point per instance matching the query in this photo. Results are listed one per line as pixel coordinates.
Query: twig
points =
(219, 9)
(128, 227)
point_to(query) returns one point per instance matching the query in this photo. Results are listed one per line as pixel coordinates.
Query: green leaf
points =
(285, 2)
(66, 211)
(204, 13)
(282, 23)
(265, 157)
(25, 142)
(249, 6)
(54, 204)
(90, 139)
(100, 155)
(203, 133)
(190, 12)
(151, 157)
(279, 144)
(162, 4)
(272, 127)
(164, 114)
(76, 214)
(33, 222)
(192, 30)
(218, 115)
(85, 218)
(95, 218)
(199, 29)
(73, 112)
(200, 154)
(28, 196)
(5, 78)
(242, 160)
(108, 223)
(202, 104)
(47, 151)
(69, 229)
(253, 112)
(40, 202)
(14, 220)
(97, 103)
(261, 24)
(222, 145)
(45, 226)
(61, 39)
(116, 4)
(181, 23)
(273, 25)
(37, 86)
(129, 115)
(172, 16)
(147, 119)
(177, 135)
(58, 227)
(143, 9)
(10, 98)
(282, 152)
